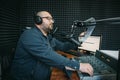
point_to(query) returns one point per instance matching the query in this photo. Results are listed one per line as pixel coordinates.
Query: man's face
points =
(47, 22)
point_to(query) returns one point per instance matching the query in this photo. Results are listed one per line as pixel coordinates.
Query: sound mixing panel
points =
(104, 66)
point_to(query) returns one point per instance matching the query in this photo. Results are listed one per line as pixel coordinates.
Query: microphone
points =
(87, 23)
(55, 30)
(83, 23)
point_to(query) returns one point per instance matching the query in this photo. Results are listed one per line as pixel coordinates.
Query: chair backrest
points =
(6, 61)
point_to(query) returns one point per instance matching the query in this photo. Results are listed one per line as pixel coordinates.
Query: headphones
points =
(37, 19)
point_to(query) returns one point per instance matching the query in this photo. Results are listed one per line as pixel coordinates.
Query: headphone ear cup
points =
(38, 20)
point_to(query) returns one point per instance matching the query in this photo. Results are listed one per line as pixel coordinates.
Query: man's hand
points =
(86, 68)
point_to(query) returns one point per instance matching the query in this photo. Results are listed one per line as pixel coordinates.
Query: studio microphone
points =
(89, 22)
(83, 23)
(55, 30)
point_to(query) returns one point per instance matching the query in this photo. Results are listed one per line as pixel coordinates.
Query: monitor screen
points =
(118, 70)
(92, 43)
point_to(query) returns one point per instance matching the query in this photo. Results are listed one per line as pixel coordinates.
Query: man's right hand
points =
(86, 68)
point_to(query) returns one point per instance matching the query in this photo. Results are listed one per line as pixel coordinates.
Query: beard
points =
(48, 29)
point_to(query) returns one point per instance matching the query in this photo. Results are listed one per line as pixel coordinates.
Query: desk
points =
(58, 74)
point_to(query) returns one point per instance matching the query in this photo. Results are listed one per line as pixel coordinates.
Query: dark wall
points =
(9, 25)
(66, 11)
(9, 34)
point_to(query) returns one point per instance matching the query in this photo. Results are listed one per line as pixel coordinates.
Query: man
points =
(35, 55)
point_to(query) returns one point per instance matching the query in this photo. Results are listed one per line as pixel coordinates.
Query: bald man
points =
(35, 52)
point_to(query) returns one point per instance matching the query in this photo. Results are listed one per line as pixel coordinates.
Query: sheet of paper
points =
(91, 44)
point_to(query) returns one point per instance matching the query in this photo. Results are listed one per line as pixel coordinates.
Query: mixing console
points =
(101, 65)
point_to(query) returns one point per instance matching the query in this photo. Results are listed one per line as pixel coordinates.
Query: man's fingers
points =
(90, 71)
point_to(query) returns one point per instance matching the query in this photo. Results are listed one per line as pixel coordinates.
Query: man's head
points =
(46, 21)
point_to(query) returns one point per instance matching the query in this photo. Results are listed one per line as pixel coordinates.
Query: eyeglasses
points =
(49, 18)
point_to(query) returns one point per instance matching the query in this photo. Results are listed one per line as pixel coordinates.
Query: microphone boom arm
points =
(90, 27)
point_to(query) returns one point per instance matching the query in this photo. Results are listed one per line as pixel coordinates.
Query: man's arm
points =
(64, 46)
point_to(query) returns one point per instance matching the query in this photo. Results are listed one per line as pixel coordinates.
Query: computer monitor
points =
(118, 70)
(92, 43)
